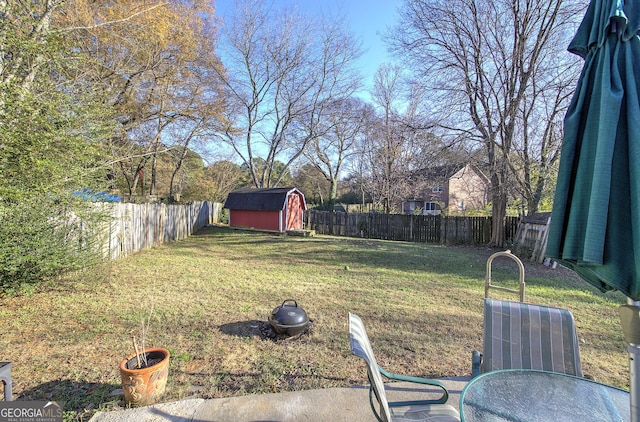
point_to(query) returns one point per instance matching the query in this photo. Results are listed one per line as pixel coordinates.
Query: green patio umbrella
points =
(595, 224)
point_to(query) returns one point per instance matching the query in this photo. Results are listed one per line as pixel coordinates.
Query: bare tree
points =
(285, 69)
(312, 182)
(342, 124)
(393, 138)
(479, 59)
(219, 179)
(539, 134)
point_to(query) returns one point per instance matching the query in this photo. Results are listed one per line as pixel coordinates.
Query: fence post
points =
(411, 228)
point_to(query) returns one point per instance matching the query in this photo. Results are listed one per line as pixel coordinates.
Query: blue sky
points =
(367, 20)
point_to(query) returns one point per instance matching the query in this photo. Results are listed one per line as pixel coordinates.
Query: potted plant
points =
(144, 372)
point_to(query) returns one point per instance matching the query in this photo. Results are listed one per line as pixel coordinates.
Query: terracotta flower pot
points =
(144, 386)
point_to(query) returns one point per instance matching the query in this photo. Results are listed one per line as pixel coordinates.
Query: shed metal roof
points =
(265, 199)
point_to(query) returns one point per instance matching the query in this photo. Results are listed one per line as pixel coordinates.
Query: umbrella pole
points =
(630, 319)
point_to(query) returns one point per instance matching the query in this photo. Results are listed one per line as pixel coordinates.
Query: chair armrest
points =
(417, 380)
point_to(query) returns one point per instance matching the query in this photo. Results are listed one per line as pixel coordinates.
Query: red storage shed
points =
(273, 209)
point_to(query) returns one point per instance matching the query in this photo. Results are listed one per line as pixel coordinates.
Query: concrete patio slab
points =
(330, 404)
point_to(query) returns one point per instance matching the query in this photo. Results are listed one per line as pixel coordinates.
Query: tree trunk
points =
(141, 177)
(498, 210)
(333, 192)
(172, 183)
(154, 163)
(536, 197)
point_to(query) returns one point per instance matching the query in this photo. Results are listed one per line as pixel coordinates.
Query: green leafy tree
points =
(154, 63)
(50, 129)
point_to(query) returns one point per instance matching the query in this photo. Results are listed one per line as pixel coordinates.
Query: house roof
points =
(445, 172)
(265, 199)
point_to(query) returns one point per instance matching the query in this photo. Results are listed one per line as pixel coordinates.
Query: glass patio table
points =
(531, 395)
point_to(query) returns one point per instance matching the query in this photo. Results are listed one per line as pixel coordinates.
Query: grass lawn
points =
(421, 304)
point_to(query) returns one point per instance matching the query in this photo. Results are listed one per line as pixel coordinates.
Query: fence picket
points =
(410, 228)
(133, 227)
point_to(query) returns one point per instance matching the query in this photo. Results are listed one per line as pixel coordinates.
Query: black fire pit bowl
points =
(288, 319)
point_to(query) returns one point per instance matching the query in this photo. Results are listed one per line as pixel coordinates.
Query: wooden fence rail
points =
(134, 227)
(410, 228)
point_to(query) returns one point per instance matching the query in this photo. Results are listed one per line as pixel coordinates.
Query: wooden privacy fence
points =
(134, 227)
(410, 228)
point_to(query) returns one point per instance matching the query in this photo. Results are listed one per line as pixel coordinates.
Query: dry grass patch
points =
(421, 304)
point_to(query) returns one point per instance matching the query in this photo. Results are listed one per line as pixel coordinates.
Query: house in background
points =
(454, 189)
(272, 209)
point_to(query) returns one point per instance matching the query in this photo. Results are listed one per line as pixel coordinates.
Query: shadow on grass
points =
(78, 397)
(260, 329)
(247, 329)
(373, 253)
(461, 261)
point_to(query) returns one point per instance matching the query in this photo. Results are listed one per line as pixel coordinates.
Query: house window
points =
(436, 189)
(409, 207)
(430, 206)
(461, 205)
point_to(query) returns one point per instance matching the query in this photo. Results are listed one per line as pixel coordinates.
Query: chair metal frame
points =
(488, 285)
(5, 376)
(361, 347)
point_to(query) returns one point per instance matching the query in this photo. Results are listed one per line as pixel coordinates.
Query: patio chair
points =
(425, 410)
(5, 376)
(526, 336)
